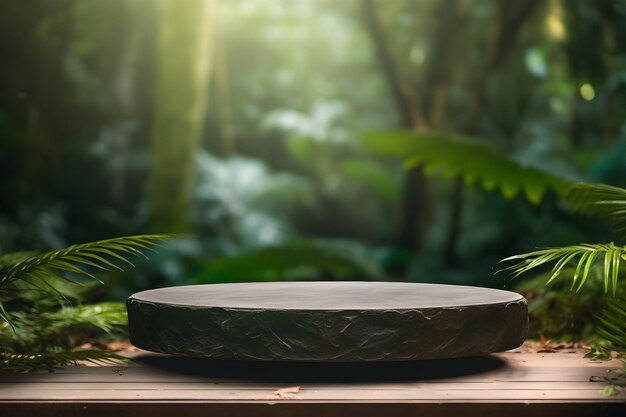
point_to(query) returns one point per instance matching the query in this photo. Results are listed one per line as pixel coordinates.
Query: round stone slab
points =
(327, 321)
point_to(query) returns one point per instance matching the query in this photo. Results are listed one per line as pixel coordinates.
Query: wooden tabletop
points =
(512, 383)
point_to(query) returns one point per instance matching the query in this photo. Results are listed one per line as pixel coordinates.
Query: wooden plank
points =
(548, 384)
(49, 392)
(8, 390)
(311, 409)
(561, 360)
(318, 396)
(138, 375)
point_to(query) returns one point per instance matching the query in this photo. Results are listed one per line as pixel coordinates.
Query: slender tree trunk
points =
(428, 110)
(421, 111)
(443, 51)
(512, 16)
(46, 115)
(451, 254)
(184, 55)
(227, 131)
(124, 115)
(442, 54)
(416, 203)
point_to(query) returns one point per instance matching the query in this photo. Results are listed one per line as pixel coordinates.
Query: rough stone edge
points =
(153, 335)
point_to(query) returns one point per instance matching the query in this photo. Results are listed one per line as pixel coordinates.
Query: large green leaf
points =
(468, 158)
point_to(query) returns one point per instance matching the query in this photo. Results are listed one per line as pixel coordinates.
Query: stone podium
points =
(327, 321)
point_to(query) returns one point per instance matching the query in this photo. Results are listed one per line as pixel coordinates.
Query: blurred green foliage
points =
(280, 165)
(561, 314)
(297, 260)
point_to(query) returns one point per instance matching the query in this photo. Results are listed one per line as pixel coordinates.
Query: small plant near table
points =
(610, 202)
(42, 319)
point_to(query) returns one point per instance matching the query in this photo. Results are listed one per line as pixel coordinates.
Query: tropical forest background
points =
(418, 141)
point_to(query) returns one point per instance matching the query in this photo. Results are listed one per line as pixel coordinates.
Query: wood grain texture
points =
(512, 384)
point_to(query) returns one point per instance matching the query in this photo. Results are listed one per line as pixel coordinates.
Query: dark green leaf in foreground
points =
(468, 158)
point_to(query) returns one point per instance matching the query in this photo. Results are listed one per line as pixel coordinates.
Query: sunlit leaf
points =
(583, 256)
(468, 158)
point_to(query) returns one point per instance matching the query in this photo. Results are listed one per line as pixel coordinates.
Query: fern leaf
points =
(88, 254)
(468, 158)
(105, 316)
(613, 324)
(599, 199)
(583, 255)
(43, 271)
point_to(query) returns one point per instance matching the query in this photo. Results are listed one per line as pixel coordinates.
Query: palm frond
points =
(599, 199)
(28, 362)
(583, 256)
(468, 158)
(60, 329)
(4, 315)
(93, 254)
(105, 316)
(42, 271)
(613, 324)
(10, 259)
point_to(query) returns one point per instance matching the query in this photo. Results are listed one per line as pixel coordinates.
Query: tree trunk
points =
(124, 113)
(46, 114)
(184, 62)
(416, 202)
(511, 18)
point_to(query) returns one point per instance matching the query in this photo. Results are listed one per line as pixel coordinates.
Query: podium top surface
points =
(347, 295)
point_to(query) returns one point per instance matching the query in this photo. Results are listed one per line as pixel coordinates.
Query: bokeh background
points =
(245, 124)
